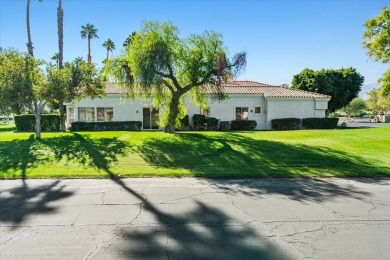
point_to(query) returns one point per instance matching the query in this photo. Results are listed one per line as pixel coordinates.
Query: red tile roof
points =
(246, 87)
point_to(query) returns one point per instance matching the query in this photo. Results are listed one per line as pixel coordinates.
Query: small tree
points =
(377, 103)
(160, 65)
(355, 107)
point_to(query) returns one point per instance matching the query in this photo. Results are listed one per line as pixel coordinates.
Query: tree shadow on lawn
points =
(19, 203)
(19, 155)
(203, 232)
(234, 155)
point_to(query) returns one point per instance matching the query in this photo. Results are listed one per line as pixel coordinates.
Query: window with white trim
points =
(86, 114)
(257, 110)
(104, 114)
(241, 113)
(70, 114)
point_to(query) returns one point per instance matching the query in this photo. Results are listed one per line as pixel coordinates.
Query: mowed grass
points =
(310, 153)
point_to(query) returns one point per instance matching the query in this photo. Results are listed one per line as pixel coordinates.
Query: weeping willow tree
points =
(160, 65)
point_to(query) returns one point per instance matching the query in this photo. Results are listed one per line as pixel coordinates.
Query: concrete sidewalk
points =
(157, 218)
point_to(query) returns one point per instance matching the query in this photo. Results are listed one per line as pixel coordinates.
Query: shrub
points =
(185, 123)
(286, 123)
(212, 123)
(107, 126)
(26, 123)
(320, 123)
(199, 121)
(243, 124)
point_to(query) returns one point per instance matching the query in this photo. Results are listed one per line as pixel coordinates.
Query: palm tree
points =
(29, 42)
(89, 31)
(56, 57)
(129, 39)
(109, 45)
(60, 25)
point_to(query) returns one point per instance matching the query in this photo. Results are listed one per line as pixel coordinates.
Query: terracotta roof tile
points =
(246, 87)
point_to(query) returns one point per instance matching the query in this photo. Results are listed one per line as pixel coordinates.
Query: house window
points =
(86, 113)
(105, 113)
(241, 113)
(257, 110)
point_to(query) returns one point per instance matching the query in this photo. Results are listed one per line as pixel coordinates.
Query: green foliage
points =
(355, 107)
(377, 43)
(286, 123)
(107, 126)
(377, 103)
(161, 65)
(212, 123)
(185, 121)
(320, 123)
(377, 36)
(199, 120)
(343, 85)
(243, 124)
(26, 123)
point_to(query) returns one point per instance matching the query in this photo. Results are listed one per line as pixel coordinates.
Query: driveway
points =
(157, 218)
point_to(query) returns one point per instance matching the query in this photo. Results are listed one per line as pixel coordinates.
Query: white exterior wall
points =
(271, 108)
(294, 107)
(124, 110)
(226, 110)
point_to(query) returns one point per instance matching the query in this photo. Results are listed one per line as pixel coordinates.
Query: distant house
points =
(247, 100)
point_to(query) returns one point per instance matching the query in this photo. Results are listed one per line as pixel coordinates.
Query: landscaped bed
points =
(339, 152)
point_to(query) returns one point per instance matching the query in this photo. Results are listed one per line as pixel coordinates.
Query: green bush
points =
(26, 123)
(320, 123)
(199, 121)
(286, 123)
(185, 123)
(107, 126)
(243, 125)
(212, 123)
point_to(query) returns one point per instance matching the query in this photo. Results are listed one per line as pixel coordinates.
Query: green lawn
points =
(340, 152)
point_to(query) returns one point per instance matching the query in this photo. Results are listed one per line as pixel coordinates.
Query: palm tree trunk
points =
(29, 43)
(89, 50)
(60, 23)
(108, 51)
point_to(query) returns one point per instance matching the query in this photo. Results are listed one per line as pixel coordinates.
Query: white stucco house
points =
(247, 100)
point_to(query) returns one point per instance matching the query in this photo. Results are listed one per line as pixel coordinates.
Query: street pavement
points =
(188, 218)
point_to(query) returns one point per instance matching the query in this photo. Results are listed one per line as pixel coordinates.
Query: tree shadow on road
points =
(203, 232)
(19, 204)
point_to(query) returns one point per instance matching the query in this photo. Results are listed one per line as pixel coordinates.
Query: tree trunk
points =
(89, 50)
(29, 43)
(60, 22)
(62, 115)
(173, 112)
(108, 51)
(38, 123)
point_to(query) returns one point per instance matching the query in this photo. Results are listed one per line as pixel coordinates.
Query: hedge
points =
(212, 123)
(286, 123)
(107, 126)
(185, 121)
(243, 125)
(199, 121)
(26, 123)
(320, 123)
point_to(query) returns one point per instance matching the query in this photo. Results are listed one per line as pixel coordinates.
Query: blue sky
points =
(281, 38)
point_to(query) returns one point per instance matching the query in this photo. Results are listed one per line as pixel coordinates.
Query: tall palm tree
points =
(129, 39)
(56, 57)
(109, 45)
(29, 42)
(60, 25)
(89, 31)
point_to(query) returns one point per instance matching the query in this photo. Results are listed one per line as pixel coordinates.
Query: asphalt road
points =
(189, 218)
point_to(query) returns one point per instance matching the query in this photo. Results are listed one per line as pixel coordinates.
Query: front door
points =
(150, 118)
